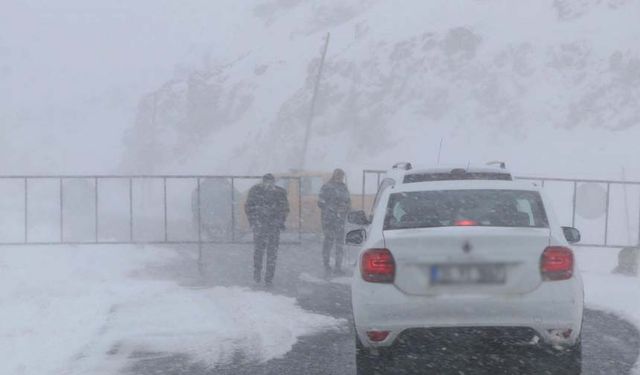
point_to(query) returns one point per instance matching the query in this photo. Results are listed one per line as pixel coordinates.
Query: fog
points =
(73, 74)
(113, 111)
(157, 86)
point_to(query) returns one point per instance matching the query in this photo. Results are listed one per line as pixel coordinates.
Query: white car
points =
(477, 257)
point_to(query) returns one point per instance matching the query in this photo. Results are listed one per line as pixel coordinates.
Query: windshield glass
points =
(493, 208)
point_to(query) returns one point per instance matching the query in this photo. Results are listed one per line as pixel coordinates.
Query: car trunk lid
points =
(467, 260)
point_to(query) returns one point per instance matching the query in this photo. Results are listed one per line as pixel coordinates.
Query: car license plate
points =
(460, 274)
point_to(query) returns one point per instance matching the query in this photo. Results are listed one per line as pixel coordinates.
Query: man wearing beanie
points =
(266, 208)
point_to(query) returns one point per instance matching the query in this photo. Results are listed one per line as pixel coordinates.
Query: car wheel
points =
(369, 363)
(570, 360)
(567, 361)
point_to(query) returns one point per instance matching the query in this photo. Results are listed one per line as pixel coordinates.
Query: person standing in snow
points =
(334, 202)
(266, 208)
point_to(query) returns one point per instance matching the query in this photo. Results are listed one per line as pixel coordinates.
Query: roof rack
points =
(501, 164)
(403, 165)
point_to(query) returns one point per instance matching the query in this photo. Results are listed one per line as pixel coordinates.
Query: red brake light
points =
(378, 266)
(377, 336)
(557, 263)
(466, 223)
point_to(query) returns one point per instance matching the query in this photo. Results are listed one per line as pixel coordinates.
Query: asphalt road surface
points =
(610, 345)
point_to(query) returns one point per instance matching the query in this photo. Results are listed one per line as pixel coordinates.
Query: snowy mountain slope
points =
(492, 78)
(401, 76)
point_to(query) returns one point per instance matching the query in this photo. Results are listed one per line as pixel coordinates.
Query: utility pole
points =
(312, 110)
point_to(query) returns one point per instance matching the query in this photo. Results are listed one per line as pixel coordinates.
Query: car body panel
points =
(523, 301)
(418, 251)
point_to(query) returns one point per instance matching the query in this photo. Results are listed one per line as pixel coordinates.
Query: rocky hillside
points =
(543, 83)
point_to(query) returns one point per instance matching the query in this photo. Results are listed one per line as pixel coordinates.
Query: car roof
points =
(465, 185)
(448, 169)
(403, 173)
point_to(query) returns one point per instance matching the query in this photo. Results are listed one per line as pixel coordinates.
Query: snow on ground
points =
(84, 310)
(308, 278)
(609, 292)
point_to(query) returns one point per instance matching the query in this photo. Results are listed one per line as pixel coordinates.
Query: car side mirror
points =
(571, 234)
(356, 237)
(358, 218)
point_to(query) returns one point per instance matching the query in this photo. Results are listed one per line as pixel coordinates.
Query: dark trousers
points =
(333, 235)
(265, 239)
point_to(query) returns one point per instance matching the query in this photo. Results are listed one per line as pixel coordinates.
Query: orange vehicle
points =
(303, 188)
(223, 221)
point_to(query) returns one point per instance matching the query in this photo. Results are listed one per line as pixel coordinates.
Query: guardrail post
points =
(300, 221)
(26, 210)
(164, 199)
(639, 223)
(199, 225)
(364, 181)
(606, 216)
(131, 209)
(575, 194)
(61, 212)
(95, 182)
(233, 211)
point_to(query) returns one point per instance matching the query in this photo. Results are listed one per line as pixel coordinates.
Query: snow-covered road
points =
(148, 310)
(87, 310)
(611, 341)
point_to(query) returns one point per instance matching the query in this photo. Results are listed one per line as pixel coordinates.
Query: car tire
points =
(567, 361)
(570, 360)
(369, 363)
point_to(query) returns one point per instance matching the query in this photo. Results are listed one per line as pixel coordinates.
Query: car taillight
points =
(466, 223)
(377, 336)
(378, 266)
(556, 263)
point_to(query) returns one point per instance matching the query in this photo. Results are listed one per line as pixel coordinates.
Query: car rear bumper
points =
(549, 310)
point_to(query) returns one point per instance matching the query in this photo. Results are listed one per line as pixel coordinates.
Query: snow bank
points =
(308, 278)
(606, 291)
(79, 310)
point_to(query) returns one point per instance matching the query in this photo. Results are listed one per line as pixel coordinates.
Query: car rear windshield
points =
(443, 208)
(425, 177)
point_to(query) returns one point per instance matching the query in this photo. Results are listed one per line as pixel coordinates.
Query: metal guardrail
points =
(607, 211)
(131, 180)
(542, 180)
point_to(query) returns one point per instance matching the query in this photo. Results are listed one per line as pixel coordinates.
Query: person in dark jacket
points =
(334, 202)
(266, 208)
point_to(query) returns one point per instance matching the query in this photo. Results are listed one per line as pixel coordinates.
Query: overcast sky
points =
(72, 72)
